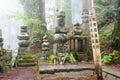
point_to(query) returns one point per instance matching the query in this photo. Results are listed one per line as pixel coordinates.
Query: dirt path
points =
(28, 73)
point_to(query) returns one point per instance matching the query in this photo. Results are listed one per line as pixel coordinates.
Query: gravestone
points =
(23, 43)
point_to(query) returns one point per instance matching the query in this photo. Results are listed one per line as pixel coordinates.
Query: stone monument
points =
(24, 43)
(60, 34)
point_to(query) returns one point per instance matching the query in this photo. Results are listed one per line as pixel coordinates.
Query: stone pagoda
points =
(87, 5)
(85, 23)
(45, 46)
(24, 43)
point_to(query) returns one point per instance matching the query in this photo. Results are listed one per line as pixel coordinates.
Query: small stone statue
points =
(24, 43)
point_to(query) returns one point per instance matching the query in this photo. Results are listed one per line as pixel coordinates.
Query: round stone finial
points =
(23, 28)
(77, 24)
(61, 14)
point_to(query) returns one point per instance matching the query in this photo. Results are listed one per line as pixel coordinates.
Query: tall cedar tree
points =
(116, 31)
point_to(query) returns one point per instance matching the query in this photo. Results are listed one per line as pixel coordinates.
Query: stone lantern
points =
(24, 43)
(60, 35)
(45, 46)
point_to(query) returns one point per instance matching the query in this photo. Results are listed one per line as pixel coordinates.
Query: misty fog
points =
(10, 27)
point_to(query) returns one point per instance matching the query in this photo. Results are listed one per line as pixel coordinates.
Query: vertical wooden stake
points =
(95, 44)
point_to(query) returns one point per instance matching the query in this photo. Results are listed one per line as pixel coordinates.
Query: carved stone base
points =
(23, 50)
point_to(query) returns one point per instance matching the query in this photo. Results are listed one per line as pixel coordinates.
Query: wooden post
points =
(72, 44)
(95, 44)
(76, 45)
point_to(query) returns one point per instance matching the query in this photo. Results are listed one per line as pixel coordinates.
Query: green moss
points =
(27, 56)
(24, 60)
(26, 64)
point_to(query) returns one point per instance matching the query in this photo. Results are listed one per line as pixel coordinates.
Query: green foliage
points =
(7, 57)
(60, 5)
(106, 17)
(54, 59)
(71, 58)
(34, 19)
(27, 56)
(24, 60)
(105, 11)
(49, 34)
(112, 57)
(70, 34)
(5, 60)
(106, 31)
(67, 57)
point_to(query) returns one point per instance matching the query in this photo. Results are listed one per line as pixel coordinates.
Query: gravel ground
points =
(28, 73)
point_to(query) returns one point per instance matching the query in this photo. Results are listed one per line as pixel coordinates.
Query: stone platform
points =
(110, 73)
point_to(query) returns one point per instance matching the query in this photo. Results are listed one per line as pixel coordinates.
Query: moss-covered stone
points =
(25, 60)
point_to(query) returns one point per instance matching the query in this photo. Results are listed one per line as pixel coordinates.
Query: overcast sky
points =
(9, 6)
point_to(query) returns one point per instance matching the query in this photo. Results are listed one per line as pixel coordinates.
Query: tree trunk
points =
(116, 31)
(41, 4)
(35, 9)
(68, 11)
(67, 7)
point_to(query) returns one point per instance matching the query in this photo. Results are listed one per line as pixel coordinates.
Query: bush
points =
(112, 57)
(67, 57)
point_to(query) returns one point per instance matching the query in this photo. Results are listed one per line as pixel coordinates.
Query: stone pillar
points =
(24, 43)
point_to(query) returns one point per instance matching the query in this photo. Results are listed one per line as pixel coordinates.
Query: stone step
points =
(27, 64)
(26, 60)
